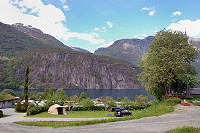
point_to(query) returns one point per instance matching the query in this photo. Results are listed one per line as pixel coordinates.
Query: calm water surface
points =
(102, 92)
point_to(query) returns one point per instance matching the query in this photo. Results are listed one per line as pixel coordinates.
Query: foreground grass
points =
(185, 129)
(75, 114)
(155, 110)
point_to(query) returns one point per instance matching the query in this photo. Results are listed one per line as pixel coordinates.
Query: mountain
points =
(130, 50)
(63, 68)
(79, 49)
(38, 34)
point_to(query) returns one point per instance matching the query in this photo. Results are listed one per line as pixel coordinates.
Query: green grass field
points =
(75, 114)
(155, 110)
(185, 129)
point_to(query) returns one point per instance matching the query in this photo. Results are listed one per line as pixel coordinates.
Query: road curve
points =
(189, 116)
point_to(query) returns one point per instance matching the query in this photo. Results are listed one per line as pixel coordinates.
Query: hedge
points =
(96, 108)
(1, 113)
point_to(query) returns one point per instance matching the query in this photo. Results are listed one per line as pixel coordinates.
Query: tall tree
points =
(167, 61)
(26, 85)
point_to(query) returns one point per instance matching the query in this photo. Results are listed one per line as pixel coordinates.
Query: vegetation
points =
(185, 129)
(26, 86)
(167, 65)
(155, 110)
(6, 96)
(1, 113)
(9, 91)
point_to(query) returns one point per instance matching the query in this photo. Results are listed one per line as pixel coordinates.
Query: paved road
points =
(189, 116)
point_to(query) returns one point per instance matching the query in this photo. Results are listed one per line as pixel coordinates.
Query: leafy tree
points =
(61, 94)
(87, 102)
(49, 91)
(109, 102)
(119, 99)
(82, 96)
(26, 85)
(167, 62)
(9, 91)
(126, 101)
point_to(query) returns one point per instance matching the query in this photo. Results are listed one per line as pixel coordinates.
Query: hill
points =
(79, 49)
(130, 50)
(63, 68)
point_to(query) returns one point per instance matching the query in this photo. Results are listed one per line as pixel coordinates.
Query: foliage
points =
(82, 96)
(167, 63)
(87, 103)
(26, 85)
(119, 99)
(1, 113)
(126, 102)
(61, 94)
(141, 100)
(109, 102)
(185, 129)
(20, 107)
(49, 91)
(189, 97)
(9, 91)
(173, 101)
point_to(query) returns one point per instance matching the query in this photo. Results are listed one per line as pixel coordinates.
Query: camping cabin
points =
(7, 101)
(57, 109)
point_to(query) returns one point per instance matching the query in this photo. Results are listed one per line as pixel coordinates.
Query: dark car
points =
(122, 113)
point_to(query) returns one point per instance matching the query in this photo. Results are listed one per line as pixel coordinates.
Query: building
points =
(6, 101)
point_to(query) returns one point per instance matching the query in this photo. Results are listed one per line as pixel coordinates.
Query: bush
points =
(1, 113)
(173, 101)
(189, 97)
(20, 107)
(93, 108)
(38, 109)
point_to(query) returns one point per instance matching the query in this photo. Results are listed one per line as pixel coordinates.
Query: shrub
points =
(141, 100)
(173, 101)
(1, 113)
(20, 107)
(189, 97)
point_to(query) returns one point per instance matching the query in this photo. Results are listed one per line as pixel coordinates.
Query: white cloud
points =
(140, 36)
(103, 29)
(88, 37)
(176, 13)
(97, 29)
(66, 7)
(109, 24)
(193, 27)
(63, 1)
(150, 9)
(47, 18)
(106, 44)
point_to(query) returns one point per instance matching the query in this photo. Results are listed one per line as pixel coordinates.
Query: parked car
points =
(114, 108)
(122, 113)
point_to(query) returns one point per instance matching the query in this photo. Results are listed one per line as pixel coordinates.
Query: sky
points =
(91, 24)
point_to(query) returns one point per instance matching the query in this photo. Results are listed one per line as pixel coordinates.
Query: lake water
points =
(131, 93)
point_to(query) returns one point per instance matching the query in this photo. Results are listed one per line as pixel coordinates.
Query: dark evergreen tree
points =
(26, 85)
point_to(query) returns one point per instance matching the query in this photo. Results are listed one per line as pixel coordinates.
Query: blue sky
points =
(91, 24)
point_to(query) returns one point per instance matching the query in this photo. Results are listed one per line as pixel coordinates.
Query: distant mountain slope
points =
(38, 34)
(57, 66)
(79, 49)
(130, 50)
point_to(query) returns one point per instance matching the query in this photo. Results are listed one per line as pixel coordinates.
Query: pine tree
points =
(26, 85)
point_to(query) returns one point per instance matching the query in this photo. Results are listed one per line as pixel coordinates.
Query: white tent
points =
(57, 109)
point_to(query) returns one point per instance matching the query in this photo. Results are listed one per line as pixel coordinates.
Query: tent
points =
(57, 109)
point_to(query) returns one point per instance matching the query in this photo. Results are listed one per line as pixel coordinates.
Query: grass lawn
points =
(75, 114)
(155, 110)
(185, 129)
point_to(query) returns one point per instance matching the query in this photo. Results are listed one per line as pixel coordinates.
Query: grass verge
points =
(155, 110)
(185, 129)
(4, 116)
(75, 114)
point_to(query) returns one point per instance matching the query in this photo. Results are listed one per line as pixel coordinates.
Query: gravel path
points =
(182, 115)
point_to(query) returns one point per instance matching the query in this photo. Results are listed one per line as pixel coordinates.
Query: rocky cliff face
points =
(69, 69)
(130, 50)
(79, 49)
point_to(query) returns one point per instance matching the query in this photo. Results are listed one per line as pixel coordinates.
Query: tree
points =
(61, 94)
(126, 102)
(9, 91)
(26, 85)
(87, 102)
(167, 62)
(48, 92)
(82, 96)
(109, 102)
